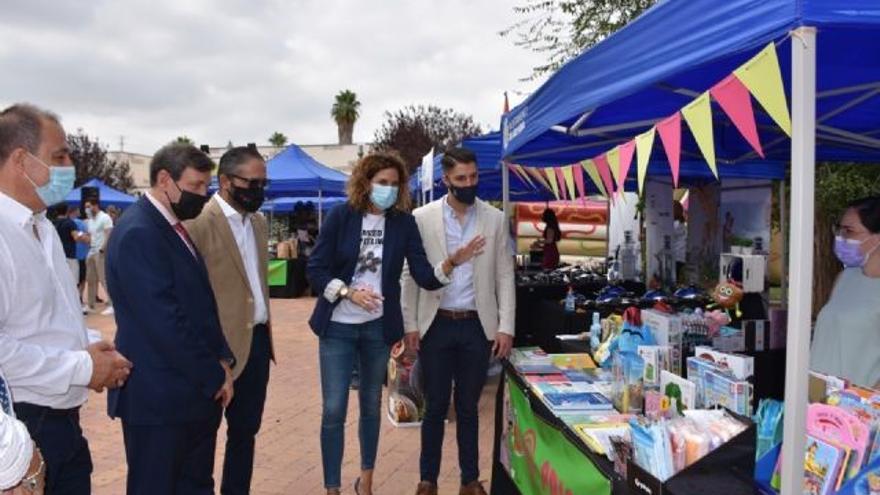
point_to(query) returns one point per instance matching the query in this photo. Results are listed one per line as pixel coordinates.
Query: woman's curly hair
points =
(359, 187)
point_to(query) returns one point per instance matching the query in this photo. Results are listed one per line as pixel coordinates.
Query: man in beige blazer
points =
(232, 237)
(456, 329)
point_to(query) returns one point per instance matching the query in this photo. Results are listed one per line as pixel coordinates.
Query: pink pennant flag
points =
(516, 172)
(605, 173)
(626, 156)
(670, 134)
(734, 98)
(560, 178)
(579, 182)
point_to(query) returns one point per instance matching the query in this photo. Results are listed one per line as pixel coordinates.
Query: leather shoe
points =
(472, 488)
(426, 488)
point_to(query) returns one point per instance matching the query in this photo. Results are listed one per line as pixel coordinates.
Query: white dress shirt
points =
(16, 446)
(460, 294)
(43, 337)
(243, 231)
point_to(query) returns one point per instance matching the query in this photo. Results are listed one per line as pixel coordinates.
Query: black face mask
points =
(467, 195)
(189, 205)
(249, 198)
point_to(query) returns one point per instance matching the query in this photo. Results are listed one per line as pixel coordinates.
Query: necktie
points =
(5, 400)
(185, 235)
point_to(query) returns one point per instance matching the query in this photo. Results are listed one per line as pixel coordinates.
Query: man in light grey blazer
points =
(456, 329)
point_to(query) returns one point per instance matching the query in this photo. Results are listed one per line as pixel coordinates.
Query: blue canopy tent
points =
(288, 204)
(828, 52)
(107, 195)
(294, 173)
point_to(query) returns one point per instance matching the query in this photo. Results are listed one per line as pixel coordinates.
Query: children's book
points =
(823, 465)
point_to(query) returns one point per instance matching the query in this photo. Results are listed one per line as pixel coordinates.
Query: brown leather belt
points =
(458, 315)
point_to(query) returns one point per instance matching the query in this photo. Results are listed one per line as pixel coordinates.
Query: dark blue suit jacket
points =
(167, 323)
(335, 257)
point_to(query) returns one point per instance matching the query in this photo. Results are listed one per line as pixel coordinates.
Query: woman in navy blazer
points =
(355, 269)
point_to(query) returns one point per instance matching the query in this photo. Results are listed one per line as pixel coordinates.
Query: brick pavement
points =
(288, 460)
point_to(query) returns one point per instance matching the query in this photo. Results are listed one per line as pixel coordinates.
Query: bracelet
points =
(31, 482)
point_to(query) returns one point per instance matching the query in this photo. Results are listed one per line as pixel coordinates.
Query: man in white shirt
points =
(458, 328)
(233, 237)
(100, 224)
(49, 359)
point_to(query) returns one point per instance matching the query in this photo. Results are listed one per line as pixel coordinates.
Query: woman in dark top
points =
(355, 269)
(552, 235)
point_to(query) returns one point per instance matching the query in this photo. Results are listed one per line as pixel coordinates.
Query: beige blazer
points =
(212, 235)
(493, 272)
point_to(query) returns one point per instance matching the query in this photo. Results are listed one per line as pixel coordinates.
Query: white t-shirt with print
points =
(367, 272)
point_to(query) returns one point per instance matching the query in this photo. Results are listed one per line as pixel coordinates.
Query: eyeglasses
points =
(253, 183)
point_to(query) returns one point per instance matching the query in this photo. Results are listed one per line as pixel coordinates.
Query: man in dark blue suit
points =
(168, 327)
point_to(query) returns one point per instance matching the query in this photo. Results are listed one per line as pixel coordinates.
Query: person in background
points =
(679, 240)
(99, 224)
(846, 341)
(70, 236)
(356, 268)
(233, 236)
(114, 212)
(470, 320)
(48, 358)
(551, 236)
(82, 253)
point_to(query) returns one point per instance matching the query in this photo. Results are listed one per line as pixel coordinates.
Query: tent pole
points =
(803, 169)
(320, 208)
(783, 232)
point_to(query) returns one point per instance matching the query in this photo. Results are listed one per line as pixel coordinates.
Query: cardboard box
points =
(742, 367)
(667, 330)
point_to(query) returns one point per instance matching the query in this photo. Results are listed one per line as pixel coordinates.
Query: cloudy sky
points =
(220, 70)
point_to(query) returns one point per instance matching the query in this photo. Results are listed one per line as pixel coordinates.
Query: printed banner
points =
(541, 460)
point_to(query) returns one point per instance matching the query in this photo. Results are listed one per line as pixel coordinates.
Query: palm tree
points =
(277, 139)
(185, 140)
(346, 110)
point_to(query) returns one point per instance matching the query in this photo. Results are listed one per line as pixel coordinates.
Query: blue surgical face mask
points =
(849, 252)
(383, 197)
(61, 179)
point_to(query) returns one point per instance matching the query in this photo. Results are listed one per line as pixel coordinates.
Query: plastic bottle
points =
(595, 333)
(569, 300)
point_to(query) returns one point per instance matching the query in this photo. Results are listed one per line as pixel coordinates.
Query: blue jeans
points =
(341, 346)
(453, 351)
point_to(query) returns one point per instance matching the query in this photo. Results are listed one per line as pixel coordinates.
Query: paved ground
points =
(288, 460)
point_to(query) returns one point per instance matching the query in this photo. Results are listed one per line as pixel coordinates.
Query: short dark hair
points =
(236, 157)
(61, 209)
(21, 126)
(174, 158)
(868, 210)
(453, 156)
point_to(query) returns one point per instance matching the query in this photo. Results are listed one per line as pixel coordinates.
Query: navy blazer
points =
(335, 257)
(167, 323)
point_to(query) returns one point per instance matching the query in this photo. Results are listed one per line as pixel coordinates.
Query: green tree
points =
(345, 111)
(185, 140)
(277, 139)
(91, 161)
(562, 29)
(414, 130)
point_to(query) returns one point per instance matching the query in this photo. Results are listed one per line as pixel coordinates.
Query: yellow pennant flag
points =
(521, 171)
(568, 173)
(550, 172)
(698, 115)
(763, 77)
(613, 158)
(593, 172)
(644, 144)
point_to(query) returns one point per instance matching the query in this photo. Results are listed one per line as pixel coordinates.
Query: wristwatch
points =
(343, 292)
